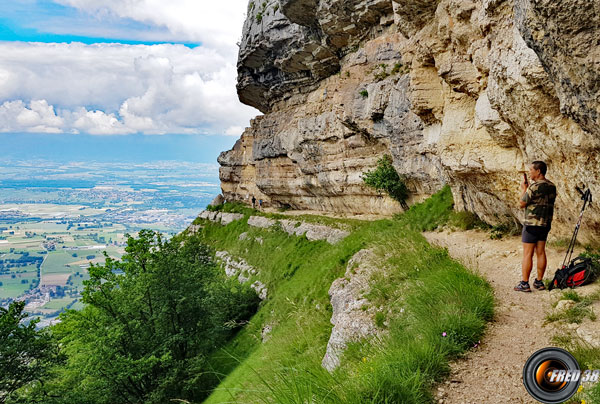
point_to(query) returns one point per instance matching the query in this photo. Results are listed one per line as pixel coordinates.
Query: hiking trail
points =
(492, 372)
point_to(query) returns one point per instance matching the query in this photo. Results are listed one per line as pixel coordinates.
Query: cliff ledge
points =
(457, 91)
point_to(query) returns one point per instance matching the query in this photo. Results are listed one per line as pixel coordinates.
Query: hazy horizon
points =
(133, 148)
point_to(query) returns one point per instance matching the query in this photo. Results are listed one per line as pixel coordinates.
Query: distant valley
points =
(58, 218)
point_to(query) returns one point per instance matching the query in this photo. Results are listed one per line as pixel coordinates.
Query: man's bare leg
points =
(540, 253)
(527, 264)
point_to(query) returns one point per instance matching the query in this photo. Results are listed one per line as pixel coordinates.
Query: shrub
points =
(262, 12)
(157, 314)
(381, 72)
(400, 68)
(364, 93)
(26, 354)
(386, 178)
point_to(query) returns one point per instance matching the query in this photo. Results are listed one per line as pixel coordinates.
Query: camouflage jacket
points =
(539, 197)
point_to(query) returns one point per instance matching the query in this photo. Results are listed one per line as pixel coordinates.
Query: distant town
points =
(52, 229)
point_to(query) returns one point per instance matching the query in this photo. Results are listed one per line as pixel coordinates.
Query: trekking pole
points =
(587, 198)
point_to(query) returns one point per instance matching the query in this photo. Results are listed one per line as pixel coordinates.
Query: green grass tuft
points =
(576, 313)
(571, 295)
(231, 207)
(430, 214)
(379, 319)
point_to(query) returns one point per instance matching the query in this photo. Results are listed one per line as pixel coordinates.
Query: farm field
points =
(15, 284)
(58, 218)
(54, 254)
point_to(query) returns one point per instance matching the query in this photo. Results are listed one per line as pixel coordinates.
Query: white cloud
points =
(38, 116)
(216, 24)
(98, 123)
(234, 130)
(115, 88)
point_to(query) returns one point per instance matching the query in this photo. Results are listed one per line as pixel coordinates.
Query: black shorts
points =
(533, 234)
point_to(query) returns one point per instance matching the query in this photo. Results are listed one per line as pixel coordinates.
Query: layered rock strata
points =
(313, 232)
(220, 217)
(459, 92)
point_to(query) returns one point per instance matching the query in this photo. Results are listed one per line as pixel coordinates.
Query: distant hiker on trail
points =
(260, 204)
(538, 200)
(253, 202)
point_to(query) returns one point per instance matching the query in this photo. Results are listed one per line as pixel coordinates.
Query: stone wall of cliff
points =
(457, 91)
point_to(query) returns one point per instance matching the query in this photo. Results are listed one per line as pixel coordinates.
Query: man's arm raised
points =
(526, 196)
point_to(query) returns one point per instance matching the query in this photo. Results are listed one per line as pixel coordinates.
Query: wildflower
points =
(444, 334)
(580, 389)
(364, 359)
(582, 401)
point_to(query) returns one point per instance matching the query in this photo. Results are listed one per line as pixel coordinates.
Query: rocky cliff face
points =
(457, 91)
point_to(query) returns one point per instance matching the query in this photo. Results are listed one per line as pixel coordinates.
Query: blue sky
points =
(109, 67)
(132, 148)
(47, 21)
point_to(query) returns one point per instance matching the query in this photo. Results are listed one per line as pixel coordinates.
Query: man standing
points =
(538, 201)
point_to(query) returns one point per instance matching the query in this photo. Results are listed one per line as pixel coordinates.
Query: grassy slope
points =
(297, 273)
(424, 293)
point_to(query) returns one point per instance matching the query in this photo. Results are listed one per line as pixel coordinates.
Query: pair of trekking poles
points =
(579, 271)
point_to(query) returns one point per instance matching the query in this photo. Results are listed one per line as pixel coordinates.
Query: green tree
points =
(149, 323)
(26, 354)
(386, 178)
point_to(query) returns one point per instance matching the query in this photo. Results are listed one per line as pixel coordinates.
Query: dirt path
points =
(335, 215)
(491, 373)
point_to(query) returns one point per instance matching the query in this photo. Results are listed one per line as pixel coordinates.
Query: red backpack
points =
(580, 272)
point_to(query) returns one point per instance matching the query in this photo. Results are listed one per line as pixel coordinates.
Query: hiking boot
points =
(523, 287)
(539, 285)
